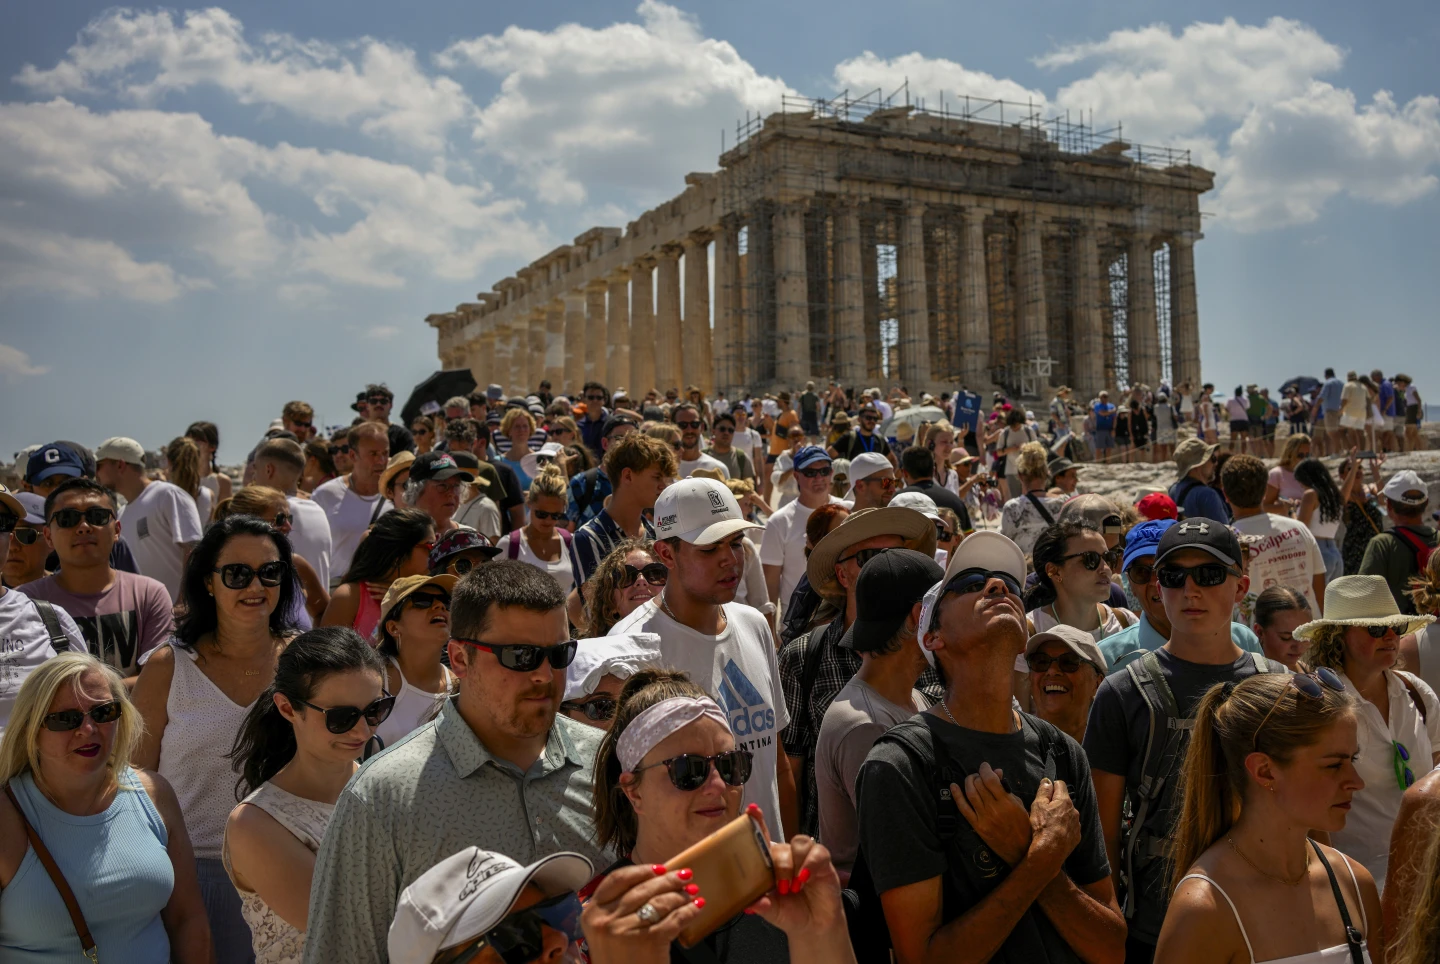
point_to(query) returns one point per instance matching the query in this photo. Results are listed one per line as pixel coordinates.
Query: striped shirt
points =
(598, 538)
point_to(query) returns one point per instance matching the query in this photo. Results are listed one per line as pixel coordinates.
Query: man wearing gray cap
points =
(160, 519)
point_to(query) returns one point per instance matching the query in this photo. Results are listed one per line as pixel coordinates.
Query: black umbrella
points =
(1303, 384)
(438, 388)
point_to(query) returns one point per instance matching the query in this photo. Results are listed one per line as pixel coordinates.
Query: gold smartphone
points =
(733, 870)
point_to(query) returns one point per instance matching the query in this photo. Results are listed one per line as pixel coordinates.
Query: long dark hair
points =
(393, 537)
(198, 614)
(266, 741)
(1050, 549)
(209, 433)
(1313, 474)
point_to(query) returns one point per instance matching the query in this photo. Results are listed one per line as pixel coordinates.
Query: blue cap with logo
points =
(1143, 540)
(51, 460)
(808, 455)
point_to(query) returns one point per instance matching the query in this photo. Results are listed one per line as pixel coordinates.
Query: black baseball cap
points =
(614, 422)
(1206, 535)
(889, 585)
(437, 466)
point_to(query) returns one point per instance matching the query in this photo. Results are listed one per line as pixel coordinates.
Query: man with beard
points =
(496, 769)
(690, 422)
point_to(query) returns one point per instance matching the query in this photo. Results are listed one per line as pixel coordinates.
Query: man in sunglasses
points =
(782, 547)
(162, 519)
(639, 467)
(1198, 569)
(378, 402)
(865, 438)
(936, 821)
(593, 424)
(298, 418)
(722, 448)
(691, 423)
(872, 481)
(496, 769)
(25, 562)
(479, 907)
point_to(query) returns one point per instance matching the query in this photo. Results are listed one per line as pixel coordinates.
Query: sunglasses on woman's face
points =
(597, 710)
(519, 938)
(689, 771)
(654, 573)
(238, 575)
(101, 713)
(1376, 632)
(1091, 559)
(342, 719)
(283, 519)
(522, 657)
(26, 536)
(1206, 575)
(542, 514)
(424, 599)
(95, 516)
(1041, 662)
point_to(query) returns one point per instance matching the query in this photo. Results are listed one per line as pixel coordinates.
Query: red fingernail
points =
(803, 876)
(692, 889)
(699, 901)
(783, 886)
(753, 808)
(685, 873)
(749, 910)
(658, 868)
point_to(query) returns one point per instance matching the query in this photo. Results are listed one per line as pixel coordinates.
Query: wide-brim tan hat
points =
(1361, 601)
(1190, 453)
(402, 589)
(916, 531)
(398, 463)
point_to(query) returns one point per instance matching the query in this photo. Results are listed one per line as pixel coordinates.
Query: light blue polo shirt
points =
(1130, 643)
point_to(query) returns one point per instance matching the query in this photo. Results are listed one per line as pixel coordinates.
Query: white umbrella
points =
(912, 417)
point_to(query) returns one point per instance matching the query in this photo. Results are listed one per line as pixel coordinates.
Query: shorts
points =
(1239, 428)
(1165, 437)
(1355, 423)
(1332, 421)
(770, 458)
(1257, 429)
(1104, 438)
(1412, 414)
(810, 424)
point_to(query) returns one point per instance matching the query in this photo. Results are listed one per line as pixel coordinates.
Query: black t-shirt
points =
(514, 495)
(897, 809)
(852, 444)
(810, 404)
(944, 498)
(400, 439)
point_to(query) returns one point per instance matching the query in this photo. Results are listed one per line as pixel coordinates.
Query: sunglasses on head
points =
(653, 573)
(238, 575)
(95, 515)
(523, 657)
(425, 598)
(819, 472)
(1091, 559)
(1207, 575)
(62, 720)
(862, 556)
(689, 771)
(596, 710)
(342, 719)
(519, 938)
(27, 537)
(542, 514)
(1041, 662)
(975, 580)
(1311, 685)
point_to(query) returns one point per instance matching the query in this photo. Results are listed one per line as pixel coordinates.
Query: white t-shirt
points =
(350, 516)
(703, 462)
(1287, 555)
(24, 643)
(205, 505)
(739, 669)
(783, 544)
(158, 525)
(310, 535)
(747, 440)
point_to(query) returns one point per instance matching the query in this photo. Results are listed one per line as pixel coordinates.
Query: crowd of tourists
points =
(816, 677)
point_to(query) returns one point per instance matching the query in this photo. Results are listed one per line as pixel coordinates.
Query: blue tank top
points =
(116, 864)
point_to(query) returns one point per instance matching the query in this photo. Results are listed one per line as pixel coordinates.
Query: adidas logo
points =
(748, 711)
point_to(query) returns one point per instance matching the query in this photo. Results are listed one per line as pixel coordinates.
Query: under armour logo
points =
(1200, 527)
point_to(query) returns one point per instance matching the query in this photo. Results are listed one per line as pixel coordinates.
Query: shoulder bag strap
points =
(1040, 507)
(379, 507)
(1414, 696)
(72, 906)
(512, 551)
(59, 639)
(1353, 938)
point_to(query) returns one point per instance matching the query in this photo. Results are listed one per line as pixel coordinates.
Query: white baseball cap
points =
(467, 894)
(124, 449)
(985, 549)
(918, 501)
(699, 511)
(1404, 482)
(863, 466)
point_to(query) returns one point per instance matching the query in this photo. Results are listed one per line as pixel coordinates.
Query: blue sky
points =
(205, 212)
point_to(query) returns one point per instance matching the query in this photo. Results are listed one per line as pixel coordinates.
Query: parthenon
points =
(975, 245)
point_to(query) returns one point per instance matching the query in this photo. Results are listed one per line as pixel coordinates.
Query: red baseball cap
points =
(1157, 506)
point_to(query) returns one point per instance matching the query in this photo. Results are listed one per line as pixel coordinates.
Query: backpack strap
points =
(1040, 507)
(1167, 724)
(512, 547)
(1414, 696)
(59, 639)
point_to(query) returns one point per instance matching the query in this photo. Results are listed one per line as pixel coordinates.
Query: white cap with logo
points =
(699, 511)
(987, 550)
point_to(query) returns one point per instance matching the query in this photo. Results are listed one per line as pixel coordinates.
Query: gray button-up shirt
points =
(430, 796)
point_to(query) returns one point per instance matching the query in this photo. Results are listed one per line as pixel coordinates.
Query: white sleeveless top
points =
(1338, 954)
(201, 730)
(1427, 645)
(413, 706)
(274, 939)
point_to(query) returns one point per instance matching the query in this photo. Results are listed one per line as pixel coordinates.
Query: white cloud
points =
(376, 86)
(380, 332)
(628, 107)
(928, 78)
(84, 268)
(15, 363)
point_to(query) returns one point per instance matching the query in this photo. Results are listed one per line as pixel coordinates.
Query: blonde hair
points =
(1425, 588)
(19, 750)
(1288, 458)
(740, 488)
(1418, 939)
(256, 500)
(1033, 461)
(703, 473)
(513, 415)
(929, 430)
(182, 456)
(1327, 646)
(664, 431)
(551, 481)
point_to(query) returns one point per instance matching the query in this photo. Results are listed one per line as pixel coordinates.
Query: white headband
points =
(657, 722)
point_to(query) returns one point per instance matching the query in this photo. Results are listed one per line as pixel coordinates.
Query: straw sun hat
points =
(1361, 601)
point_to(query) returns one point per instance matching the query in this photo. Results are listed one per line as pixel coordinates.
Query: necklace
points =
(664, 607)
(944, 708)
(1260, 870)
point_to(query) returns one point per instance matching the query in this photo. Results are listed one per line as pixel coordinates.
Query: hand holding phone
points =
(732, 867)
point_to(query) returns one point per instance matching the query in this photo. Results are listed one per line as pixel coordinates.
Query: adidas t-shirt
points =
(739, 669)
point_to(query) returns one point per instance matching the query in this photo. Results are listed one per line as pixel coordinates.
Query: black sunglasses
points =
(686, 425)
(1206, 575)
(862, 556)
(283, 519)
(303, 424)
(519, 938)
(425, 598)
(378, 400)
(342, 719)
(238, 575)
(1376, 632)
(343, 449)
(689, 771)
(1140, 573)
(542, 514)
(654, 573)
(596, 710)
(27, 537)
(1091, 559)
(1041, 662)
(461, 566)
(975, 580)
(522, 657)
(8, 521)
(822, 471)
(62, 720)
(96, 516)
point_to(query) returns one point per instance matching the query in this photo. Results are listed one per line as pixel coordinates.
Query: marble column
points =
(792, 301)
(596, 330)
(574, 344)
(519, 345)
(501, 372)
(1144, 333)
(850, 298)
(913, 344)
(482, 353)
(1184, 313)
(536, 364)
(1088, 370)
(617, 354)
(1034, 323)
(725, 341)
(555, 344)
(974, 303)
(697, 353)
(668, 371)
(642, 328)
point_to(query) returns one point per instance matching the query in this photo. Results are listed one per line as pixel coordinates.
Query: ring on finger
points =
(647, 913)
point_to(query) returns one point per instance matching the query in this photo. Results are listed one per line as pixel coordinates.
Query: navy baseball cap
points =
(809, 455)
(1215, 538)
(1144, 540)
(51, 460)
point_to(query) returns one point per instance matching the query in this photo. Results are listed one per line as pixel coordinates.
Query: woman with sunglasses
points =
(397, 545)
(195, 692)
(1398, 713)
(626, 579)
(295, 752)
(544, 541)
(1073, 569)
(600, 668)
(667, 775)
(269, 504)
(412, 636)
(423, 431)
(114, 831)
(1271, 761)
